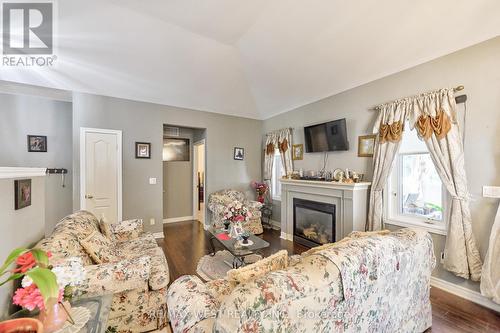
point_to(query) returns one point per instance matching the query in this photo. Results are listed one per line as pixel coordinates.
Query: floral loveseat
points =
(137, 278)
(218, 201)
(364, 283)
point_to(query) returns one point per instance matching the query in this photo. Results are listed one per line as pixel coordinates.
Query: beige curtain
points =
(490, 276)
(281, 140)
(269, 148)
(285, 148)
(389, 127)
(434, 116)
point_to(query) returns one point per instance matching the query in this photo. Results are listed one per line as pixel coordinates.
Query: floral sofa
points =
(364, 283)
(137, 278)
(218, 201)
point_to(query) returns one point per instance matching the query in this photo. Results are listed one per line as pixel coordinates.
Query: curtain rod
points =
(457, 88)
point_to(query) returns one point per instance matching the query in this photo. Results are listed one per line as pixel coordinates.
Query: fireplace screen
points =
(314, 222)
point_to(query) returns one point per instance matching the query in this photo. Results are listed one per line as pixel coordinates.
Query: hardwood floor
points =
(186, 242)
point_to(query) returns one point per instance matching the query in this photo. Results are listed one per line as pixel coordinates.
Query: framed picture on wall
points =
(239, 154)
(37, 143)
(22, 193)
(366, 144)
(298, 152)
(142, 150)
(176, 149)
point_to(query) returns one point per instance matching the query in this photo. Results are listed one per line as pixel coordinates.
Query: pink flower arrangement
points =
(237, 212)
(30, 298)
(260, 188)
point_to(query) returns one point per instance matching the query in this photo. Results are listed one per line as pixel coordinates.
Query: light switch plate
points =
(152, 221)
(491, 191)
(152, 181)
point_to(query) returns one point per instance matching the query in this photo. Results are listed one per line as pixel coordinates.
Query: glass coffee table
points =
(234, 246)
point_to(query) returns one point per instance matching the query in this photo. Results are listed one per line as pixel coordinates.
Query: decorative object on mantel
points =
(435, 117)
(22, 193)
(260, 189)
(239, 154)
(142, 150)
(298, 152)
(338, 175)
(37, 143)
(366, 143)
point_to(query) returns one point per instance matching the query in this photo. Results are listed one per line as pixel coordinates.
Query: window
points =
(417, 195)
(278, 172)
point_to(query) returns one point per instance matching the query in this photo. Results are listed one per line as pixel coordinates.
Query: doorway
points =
(101, 173)
(199, 181)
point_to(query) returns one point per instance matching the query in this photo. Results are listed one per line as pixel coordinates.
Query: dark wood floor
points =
(186, 242)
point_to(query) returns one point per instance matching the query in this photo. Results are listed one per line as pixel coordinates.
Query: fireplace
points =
(313, 222)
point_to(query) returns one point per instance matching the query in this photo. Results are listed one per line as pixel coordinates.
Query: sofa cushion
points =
(275, 262)
(100, 248)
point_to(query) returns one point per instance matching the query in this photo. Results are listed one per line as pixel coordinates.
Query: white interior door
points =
(199, 189)
(101, 172)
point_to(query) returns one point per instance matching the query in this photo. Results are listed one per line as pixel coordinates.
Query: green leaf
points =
(11, 258)
(41, 257)
(12, 277)
(46, 281)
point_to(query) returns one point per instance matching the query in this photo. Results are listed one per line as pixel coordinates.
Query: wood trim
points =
(463, 292)
(17, 172)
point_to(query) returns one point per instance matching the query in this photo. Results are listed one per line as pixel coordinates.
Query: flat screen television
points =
(330, 136)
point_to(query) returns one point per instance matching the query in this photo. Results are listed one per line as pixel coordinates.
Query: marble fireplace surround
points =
(351, 201)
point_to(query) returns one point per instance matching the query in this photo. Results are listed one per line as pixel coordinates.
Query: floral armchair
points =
(218, 201)
(137, 278)
(347, 286)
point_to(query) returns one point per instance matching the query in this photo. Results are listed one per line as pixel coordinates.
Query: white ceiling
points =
(250, 58)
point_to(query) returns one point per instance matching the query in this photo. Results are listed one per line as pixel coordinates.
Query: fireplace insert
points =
(313, 222)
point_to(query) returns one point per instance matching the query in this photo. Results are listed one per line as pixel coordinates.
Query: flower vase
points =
(226, 225)
(54, 316)
(260, 198)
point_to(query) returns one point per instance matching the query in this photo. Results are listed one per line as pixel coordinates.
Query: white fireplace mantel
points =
(17, 172)
(351, 201)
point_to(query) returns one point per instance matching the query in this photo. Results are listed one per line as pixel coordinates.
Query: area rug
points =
(216, 266)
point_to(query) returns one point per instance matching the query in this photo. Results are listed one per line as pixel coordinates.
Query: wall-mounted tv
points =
(330, 136)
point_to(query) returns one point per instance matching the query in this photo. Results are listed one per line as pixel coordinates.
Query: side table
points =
(267, 212)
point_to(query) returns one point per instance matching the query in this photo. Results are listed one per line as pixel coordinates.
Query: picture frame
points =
(176, 150)
(142, 150)
(22, 193)
(298, 152)
(239, 154)
(366, 145)
(37, 143)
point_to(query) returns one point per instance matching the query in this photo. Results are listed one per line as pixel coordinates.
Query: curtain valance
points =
(281, 140)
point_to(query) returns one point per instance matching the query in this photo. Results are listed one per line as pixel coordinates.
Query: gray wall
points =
(178, 179)
(141, 121)
(478, 69)
(22, 115)
(19, 228)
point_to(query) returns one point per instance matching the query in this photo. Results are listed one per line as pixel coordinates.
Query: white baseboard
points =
(178, 219)
(158, 235)
(276, 225)
(286, 236)
(463, 292)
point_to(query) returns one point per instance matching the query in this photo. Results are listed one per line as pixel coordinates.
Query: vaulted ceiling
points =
(252, 58)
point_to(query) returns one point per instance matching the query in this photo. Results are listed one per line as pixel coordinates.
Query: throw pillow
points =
(276, 262)
(105, 227)
(99, 248)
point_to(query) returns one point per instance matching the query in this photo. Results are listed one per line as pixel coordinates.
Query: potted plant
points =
(261, 189)
(43, 287)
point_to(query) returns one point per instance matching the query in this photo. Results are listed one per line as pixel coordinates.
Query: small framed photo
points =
(239, 154)
(22, 193)
(37, 143)
(298, 152)
(366, 144)
(142, 150)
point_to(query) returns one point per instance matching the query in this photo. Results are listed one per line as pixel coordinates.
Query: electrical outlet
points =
(151, 221)
(152, 181)
(442, 258)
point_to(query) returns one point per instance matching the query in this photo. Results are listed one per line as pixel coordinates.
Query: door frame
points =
(83, 157)
(195, 179)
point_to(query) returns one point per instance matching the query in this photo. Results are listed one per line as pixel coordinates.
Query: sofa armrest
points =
(110, 278)
(189, 302)
(127, 230)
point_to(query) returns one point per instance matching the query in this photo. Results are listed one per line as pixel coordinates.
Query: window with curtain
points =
(278, 172)
(416, 194)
